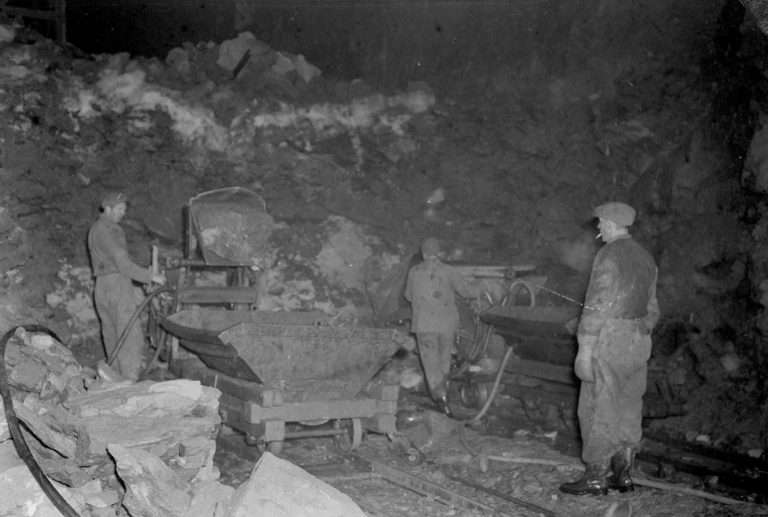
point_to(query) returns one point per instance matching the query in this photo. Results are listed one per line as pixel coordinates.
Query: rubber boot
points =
(621, 465)
(442, 405)
(593, 482)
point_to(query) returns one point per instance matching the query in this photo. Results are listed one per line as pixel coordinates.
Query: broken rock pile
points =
(106, 446)
(146, 449)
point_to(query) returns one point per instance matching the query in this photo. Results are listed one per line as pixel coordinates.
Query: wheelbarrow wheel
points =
(352, 436)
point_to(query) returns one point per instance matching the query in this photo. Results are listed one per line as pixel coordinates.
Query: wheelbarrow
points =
(275, 368)
(540, 372)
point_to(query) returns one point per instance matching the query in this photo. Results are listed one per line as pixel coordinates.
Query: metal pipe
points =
(314, 433)
(176, 262)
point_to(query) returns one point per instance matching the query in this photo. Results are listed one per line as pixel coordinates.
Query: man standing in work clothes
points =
(614, 335)
(114, 294)
(431, 288)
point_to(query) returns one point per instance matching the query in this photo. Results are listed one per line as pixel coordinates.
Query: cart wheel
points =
(474, 395)
(352, 436)
(275, 447)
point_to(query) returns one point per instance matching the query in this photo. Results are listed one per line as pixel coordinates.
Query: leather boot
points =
(593, 482)
(621, 465)
(442, 405)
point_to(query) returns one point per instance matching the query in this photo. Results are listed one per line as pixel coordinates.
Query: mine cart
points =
(280, 367)
(273, 368)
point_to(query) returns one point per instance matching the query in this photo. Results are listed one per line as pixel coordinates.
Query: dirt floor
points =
(503, 168)
(455, 458)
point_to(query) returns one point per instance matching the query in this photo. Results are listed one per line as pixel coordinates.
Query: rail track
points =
(349, 470)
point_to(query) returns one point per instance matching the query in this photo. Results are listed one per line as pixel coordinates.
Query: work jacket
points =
(431, 288)
(109, 252)
(622, 286)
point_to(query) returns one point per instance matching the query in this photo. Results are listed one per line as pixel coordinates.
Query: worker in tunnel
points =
(431, 287)
(614, 338)
(114, 294)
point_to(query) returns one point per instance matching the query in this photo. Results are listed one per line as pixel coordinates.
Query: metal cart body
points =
(279, 367)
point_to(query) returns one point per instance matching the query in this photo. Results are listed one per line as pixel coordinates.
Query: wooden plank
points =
(380, 423)
(319, 410)
(215, 294)
(383, 391)
(542, 370)
(245, 390)
(25, 12)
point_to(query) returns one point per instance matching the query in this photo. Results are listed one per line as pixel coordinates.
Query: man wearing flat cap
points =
(114, 294)
(620, 311)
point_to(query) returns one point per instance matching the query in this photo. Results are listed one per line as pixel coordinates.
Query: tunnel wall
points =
(394, 41)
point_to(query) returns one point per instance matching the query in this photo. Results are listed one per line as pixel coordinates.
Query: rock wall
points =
(399, 41)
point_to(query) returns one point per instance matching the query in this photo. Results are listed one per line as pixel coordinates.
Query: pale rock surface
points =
(210, 500)
(5, 434)
(231, 51)
(7, 33)
(279, 488)
(151, 488)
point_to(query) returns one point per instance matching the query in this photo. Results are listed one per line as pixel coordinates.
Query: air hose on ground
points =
(497, 381)
(502, 367)
(143, 305)
(18, 438)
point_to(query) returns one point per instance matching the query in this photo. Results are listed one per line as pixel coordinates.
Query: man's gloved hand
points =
(583, 364)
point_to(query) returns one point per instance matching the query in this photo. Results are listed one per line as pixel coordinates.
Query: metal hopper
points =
(279, 367)
(298, 353)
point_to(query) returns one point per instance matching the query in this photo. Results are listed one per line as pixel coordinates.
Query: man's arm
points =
(408, 286)
(600, 296)
(463, 286)
(117, 247)
(652, 318)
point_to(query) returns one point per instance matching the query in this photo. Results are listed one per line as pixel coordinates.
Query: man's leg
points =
(429, 352)
(115, 304)
(107, 311)
(630, 411)
(445, 344)
(132, 352)
(595, 478)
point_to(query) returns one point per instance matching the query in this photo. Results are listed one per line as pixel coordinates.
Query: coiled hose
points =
(18, 438)
(497, 381)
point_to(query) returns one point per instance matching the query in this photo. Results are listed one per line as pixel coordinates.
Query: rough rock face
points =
(281, 489)
(152, 488)
(760, 11)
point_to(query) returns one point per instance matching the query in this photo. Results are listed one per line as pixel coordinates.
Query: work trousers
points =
(435, 352)
(115, 299)
(611, 408)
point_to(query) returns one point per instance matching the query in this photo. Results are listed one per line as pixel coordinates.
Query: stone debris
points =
(113, 446)
(280, 489)
(151, 487)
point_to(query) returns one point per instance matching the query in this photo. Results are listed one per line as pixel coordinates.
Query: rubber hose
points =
(494, 390)
(18, 438)
(111, 358)
(504, 361)
(145, 372)
(158, 350)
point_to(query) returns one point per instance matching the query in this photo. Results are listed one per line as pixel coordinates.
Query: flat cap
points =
(110, 199)
(619, 213)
